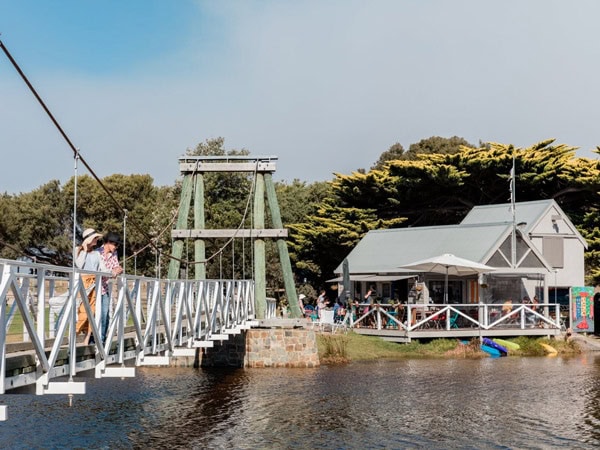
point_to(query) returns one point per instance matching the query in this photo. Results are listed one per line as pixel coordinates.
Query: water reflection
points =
(420, 403)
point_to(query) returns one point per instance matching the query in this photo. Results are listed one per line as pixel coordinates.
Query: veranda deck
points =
(455, 321)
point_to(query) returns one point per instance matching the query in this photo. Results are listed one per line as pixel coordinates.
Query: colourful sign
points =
(581, 301)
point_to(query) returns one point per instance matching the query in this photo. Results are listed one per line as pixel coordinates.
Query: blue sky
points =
(325, 85)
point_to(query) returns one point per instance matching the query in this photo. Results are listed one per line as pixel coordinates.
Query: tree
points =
(36, 225)
(436, 144)
(324, 239)
(440, 188)
(297, 201)
(396, 151)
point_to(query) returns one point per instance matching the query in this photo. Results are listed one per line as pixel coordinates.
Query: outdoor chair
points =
(310, 313)
(390, 323)
(327, 319)
(341, 322)
(439, 322)
(454, 320)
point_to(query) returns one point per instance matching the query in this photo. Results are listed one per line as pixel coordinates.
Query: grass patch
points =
(355, 347)
(333, 348)
(531, 346)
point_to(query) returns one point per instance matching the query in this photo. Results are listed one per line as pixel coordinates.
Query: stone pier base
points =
(283, 344)
(281, 348)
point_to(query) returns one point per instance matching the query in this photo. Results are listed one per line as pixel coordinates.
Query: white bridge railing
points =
(151, 320)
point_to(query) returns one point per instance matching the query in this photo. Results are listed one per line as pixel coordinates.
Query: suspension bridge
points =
(153, 321)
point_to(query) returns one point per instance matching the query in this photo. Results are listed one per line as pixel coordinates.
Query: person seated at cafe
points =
(394, 308)
(535, 303)
(507, 307)
(336, 309)
(399, 309)
(532, 318)
(354, 310)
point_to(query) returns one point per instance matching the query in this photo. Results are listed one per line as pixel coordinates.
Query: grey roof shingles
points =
(481, 231)
(528, 212)
(384, 251)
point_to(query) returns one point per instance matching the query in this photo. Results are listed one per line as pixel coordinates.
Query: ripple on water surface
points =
(419, 403)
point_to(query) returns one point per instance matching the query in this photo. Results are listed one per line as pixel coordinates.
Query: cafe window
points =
(554, 251)
(455, 291)
(357, 288)
(386, 290)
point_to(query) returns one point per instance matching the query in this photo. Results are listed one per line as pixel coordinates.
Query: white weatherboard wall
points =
(555, 223)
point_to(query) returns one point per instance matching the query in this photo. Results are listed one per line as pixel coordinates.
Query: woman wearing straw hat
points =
(86, 258)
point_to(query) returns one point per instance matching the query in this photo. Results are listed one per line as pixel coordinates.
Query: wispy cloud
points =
(327, 86)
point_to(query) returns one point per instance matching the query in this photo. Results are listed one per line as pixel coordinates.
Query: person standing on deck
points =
(322, 302)
(108, 253)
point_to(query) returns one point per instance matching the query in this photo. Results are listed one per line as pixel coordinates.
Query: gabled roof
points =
(477, 238)
(384, 251)
(530, 213)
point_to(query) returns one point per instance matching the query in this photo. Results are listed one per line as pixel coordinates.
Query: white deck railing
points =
(455, 316)
(151, 320)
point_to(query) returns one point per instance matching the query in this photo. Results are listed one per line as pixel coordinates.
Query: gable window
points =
(554, 251)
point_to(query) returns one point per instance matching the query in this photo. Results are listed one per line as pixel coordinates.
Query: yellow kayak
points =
(549, 349)
(508, 344)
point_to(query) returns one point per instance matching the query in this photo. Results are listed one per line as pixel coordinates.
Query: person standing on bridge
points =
(108, 253)
(86, 258)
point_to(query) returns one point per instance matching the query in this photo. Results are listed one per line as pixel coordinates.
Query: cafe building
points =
(537, 251)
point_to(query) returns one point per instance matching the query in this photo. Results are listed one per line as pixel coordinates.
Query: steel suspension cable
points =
(72, 146)
(74, 246)
(123, 210)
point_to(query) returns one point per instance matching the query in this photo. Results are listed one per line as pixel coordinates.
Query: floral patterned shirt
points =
(111, 261)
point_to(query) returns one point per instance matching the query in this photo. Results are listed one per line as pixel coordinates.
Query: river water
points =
(521, 403)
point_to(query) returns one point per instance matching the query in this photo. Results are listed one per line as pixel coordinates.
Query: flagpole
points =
(513, 255)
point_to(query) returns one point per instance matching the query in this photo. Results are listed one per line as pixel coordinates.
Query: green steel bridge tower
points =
(193, 169)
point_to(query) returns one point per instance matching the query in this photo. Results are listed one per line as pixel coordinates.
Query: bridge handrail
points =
(189, 314)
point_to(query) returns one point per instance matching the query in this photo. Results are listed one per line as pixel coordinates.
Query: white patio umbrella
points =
(448, 264)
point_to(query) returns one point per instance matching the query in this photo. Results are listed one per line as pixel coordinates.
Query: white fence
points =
(456, 316)
(151, 320)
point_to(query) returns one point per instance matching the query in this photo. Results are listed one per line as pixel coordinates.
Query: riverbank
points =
(340, 348)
